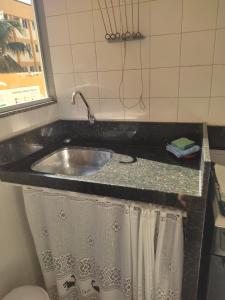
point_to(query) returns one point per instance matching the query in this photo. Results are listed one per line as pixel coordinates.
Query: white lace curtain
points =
(99, 248)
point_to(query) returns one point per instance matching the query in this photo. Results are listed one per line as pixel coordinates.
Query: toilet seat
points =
(27, 293)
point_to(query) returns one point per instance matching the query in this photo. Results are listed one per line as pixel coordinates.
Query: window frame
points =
(46, 63)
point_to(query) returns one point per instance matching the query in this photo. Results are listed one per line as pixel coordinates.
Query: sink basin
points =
(73, 161)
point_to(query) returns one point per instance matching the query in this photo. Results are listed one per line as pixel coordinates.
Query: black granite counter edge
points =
(205, 144)
(194, 231)
(120, 192)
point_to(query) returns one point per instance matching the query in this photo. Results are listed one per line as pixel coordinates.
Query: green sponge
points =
(183, 143)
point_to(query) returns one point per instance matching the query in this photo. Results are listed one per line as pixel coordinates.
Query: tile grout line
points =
(146, 37)
(72, 57)
(180, 57)
(213, 64)
(96, 60)
(136, 69)
(149, 69)
(70, 45)
(150, 63)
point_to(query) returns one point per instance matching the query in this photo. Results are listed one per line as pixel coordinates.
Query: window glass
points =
(21, 72)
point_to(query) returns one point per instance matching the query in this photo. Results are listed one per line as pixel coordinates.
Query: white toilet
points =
(27, 293)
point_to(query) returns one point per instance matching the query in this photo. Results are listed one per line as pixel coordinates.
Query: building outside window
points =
(22, 80)
(24, 22)
(33, 25)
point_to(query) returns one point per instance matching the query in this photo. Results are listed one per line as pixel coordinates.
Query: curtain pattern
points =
(98, 248)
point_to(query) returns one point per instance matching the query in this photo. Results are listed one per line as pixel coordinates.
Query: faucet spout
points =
(91, 117)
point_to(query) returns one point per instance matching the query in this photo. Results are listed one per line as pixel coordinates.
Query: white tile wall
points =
(58, 30)
(19, 264)
(21, 122)
(84, 57)
(179, 68)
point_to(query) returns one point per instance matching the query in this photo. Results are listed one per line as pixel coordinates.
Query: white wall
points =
(18, 261)
(183, 64)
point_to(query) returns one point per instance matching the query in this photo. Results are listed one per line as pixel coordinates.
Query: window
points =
(22, 76)
(29, 51)
(24, 22)
(33, 25)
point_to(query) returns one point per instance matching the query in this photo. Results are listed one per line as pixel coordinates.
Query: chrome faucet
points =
(91, 117)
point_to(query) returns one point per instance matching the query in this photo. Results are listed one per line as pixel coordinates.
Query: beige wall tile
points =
(54, 7)
(99, 28)
(66, 110)
(136, 55)
(131, 55)
(197, 48)
(218, 82)
(81, 27)
(145, 27)
(199, 15)
(193, 110)
(166, 16)
(87, 83)
(84, 57)
(216, 111)
(109, 84)
(64, 85)
(145, 52)
(102, 3)
(221, 14)
(60, 65)
(58, 33)
(78, 6)
(220, 47)
(165, 51)
(108, 56)
(136, 111)
(164, 82)
(111, 109)
(163, 109)
(136, 82)
(195, 81)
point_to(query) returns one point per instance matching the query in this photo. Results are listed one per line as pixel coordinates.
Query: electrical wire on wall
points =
(124, 34)
(140, 102)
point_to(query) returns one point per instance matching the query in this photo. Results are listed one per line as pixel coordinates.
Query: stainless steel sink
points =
(73, 161)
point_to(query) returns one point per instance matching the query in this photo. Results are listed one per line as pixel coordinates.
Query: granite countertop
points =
(143, 168)
(134, 167)
(142, 171)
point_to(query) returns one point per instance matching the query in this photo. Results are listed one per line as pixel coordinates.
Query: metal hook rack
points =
(111, 24)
